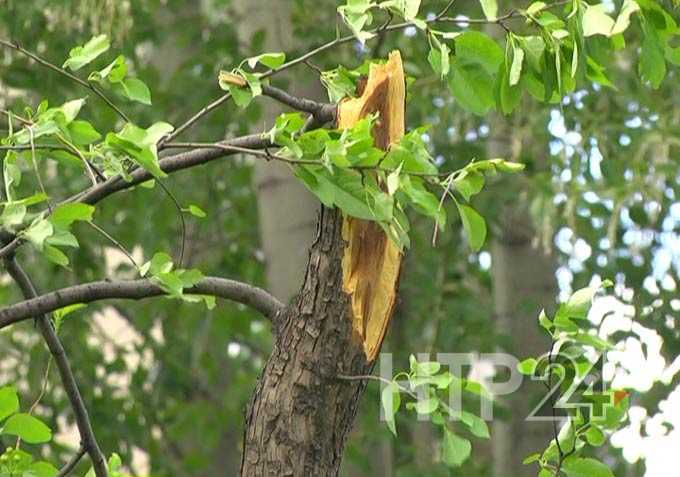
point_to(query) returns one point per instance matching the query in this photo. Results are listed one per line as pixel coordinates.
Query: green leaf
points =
(585, 467)
(423, 201)
(652, 66)
(170, 282)
(270, 60)
(474, 226)
(64, 215)
(533, 46)
(623, 20)
(596, 21)
(408, 9)
(41, 469)
(61, 313)
(530, 459)
(438, 57)
(474, 68)
(82, 55)
(30, 429)
(472, 87)
(9, 401)
(507, 97)
(490, 8)
(476, 424)
(114, 462)
(390, 399)
(426, 406)
(54, 255)
(469, 183)
(592, 340)
(13, 214)
(527, 367)
(242, 96)
(196, 211)
(455, 449)
(595, 436)
(516, 67)
(579, 303)
(160, 263)
(113, 73)
(136, 90)
(70, 109)
(427, 368)
(356, 15)
(83, 133)
(189, 277)
(37, 232)
(544, 321)
(140, 144)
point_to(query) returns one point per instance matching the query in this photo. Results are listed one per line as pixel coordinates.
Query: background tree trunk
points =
(523, 281)
(287, 211)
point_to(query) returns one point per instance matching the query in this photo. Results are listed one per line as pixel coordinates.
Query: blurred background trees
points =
(168, 383)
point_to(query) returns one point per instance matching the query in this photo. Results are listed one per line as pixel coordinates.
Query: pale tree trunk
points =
(523, 282)
(287, 211)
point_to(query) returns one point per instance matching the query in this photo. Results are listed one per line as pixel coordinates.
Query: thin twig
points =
(62, 71)
(362, 377)
(115, 242)
(35, 167)
(71, 464)
(68, 380)
(27, 147)
(174, 200)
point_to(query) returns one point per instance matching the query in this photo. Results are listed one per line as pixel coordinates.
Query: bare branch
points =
(68, 380)
(249, 295)
(323, 112)
(62, 71)
(71, 464)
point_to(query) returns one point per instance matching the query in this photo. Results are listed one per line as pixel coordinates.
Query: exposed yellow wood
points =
(371, 261)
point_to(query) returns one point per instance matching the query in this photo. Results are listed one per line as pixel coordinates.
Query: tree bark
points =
(301, 413)
(302, 410)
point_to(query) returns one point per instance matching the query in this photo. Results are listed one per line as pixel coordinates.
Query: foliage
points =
(552, 55)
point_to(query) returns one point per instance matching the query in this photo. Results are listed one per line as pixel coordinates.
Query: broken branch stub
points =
(371, 261)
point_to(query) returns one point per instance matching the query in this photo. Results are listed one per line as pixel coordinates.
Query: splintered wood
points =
(371, 261)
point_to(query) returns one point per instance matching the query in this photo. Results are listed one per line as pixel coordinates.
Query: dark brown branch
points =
(71, 464)
(324, 112)
(254, 297)
(168, 164)
(49, 334)
(62, 71)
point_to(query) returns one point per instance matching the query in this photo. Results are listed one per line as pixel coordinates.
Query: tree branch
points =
(49, 334)
(254, 297)
(71, 464)
(323, 112)
(168, 164)
(62, 71)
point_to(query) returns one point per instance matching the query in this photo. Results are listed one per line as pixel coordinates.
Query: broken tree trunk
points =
(301, 412)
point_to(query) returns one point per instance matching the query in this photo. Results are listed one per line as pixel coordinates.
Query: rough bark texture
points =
(301, 413)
